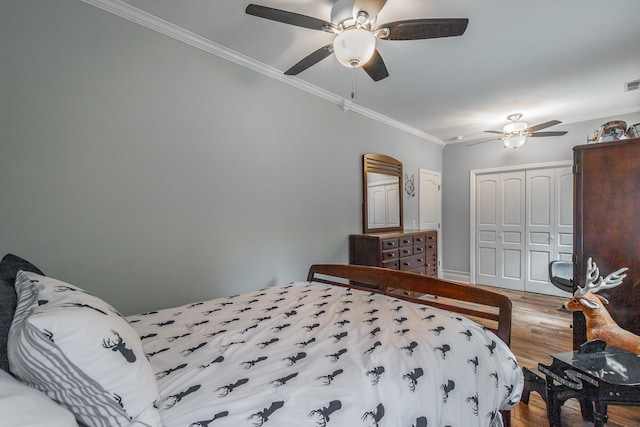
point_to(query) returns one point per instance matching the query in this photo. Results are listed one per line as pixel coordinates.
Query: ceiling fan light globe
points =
(515, 141)
(354, 47)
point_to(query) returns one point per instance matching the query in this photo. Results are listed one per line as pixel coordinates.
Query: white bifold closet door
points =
(500, 229)
(524, 220)
(549, 225)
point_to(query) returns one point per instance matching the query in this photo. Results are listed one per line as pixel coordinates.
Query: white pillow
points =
(21, 405)
(82, 353)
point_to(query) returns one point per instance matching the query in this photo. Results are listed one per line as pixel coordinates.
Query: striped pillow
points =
(82, 353)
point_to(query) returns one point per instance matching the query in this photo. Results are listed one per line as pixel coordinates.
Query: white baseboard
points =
(456, 276)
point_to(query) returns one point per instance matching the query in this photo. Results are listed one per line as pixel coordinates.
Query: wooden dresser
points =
(412, 251)
(607, 225)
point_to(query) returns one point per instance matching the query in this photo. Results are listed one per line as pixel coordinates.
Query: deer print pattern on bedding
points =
(82, 353)
(309, 354)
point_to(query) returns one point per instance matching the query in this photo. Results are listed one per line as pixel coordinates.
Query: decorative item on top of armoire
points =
(607, 226)
(600, 325)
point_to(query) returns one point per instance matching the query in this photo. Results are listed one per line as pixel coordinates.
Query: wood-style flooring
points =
(538, 330)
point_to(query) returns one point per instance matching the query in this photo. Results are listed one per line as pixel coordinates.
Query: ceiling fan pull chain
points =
(354, 85)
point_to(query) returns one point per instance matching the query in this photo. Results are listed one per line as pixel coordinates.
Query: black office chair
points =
(561, 275)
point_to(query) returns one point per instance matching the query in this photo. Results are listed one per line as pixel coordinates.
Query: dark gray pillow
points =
(9, 267)
(7, 308)
(11, 264)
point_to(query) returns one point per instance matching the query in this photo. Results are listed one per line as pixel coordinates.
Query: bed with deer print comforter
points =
(320, 355)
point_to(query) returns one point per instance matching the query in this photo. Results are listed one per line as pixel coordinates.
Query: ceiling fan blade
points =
(311, 59)
(372, 7)
(417, 29)
(494, 131)
(376, 68)
(552, 133)
(288, 17)
(543, 126)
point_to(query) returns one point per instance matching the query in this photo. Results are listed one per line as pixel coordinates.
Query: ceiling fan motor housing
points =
(515, 128)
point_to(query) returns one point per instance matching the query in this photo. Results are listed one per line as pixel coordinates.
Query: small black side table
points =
(609, 377)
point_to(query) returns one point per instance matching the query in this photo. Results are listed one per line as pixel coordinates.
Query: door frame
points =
(472, 200)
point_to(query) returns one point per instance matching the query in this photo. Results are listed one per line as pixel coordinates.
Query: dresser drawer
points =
(405, 241)
(419, 249)
(419, 240)
(390, 255)
(412, 262)
(389, 244)
(406, 251)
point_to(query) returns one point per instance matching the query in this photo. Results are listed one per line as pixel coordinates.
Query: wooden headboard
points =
(488, 308)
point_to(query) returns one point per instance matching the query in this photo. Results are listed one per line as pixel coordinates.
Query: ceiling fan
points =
(515, 133)
(353, 22)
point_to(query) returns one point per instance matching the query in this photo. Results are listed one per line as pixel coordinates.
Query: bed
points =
(350, 346)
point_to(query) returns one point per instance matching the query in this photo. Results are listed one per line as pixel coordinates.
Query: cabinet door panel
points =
(607, 228)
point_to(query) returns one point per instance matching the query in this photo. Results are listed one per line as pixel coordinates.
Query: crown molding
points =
(126, 11)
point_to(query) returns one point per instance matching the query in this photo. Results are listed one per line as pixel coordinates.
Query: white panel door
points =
(541, 230)
(429, 194)
(488, 256)
(377, 210)
(500, 230)
(563, 242)
(512, 230)
(392, 200)
(549, 225)
(429, 205)
(384, 210)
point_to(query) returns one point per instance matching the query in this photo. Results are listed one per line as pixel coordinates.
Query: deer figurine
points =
(600, 324)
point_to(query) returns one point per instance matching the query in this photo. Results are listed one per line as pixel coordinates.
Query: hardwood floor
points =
(538, 330)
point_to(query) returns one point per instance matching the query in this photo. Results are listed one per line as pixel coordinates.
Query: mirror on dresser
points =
(382, 209)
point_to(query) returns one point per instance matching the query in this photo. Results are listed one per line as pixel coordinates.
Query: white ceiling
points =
(548, 59)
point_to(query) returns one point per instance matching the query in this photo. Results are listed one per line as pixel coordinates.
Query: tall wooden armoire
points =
(607, 225)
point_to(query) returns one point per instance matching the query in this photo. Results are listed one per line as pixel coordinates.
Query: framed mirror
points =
(382, 194)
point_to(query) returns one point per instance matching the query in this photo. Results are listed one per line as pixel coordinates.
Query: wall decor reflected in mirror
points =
(382, 208)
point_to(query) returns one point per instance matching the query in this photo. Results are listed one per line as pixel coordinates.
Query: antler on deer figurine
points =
(595, 283)
(600, 324)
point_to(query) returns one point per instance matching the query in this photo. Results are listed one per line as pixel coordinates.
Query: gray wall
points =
(154, 174)
(459, 159)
